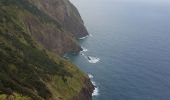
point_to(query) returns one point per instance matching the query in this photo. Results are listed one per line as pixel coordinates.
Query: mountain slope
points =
(64, 13)
(45, 29)
(30, 68)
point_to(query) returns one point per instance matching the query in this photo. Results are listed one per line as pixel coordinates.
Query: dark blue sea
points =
(127, 54)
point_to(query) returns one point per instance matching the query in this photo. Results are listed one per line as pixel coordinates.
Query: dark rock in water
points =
(81, 53)
(88, 58)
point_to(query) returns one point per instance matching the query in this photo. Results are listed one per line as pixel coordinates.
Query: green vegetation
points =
(27, 70)
(25, 5)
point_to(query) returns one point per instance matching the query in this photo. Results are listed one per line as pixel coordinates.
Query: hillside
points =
(32, 39)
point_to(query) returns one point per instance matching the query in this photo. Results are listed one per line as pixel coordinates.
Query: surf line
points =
(96, 89)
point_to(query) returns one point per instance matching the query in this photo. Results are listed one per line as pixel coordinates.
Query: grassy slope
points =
(26, 68)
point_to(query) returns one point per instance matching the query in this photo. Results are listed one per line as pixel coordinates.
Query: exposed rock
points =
(51, 37)
(65, 13)
(86, 91)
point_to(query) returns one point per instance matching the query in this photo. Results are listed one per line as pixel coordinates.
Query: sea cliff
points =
(34, 34)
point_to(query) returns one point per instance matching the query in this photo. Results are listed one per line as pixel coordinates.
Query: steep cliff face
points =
(63, 12)
(69, 24)
(31, 38)
(50, 36)
(53, 23)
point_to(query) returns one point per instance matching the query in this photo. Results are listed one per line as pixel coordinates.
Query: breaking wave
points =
(83, 37)
(84, 49)
(93, 59)
(96, 89)
(90, 76)
(95, 92)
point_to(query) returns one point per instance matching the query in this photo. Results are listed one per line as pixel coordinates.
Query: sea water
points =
(127, 54)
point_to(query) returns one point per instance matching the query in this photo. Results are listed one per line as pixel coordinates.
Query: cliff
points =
(64, 13)
(33, 35)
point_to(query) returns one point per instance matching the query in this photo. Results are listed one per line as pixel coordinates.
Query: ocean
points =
(127, 54)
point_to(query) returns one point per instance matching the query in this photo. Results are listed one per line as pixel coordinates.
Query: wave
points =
(93, 59)
(90, 76)
(84, 49)
(96, 89)
(83, 37)
(65, 56)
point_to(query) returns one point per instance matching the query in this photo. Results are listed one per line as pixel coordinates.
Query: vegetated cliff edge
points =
(32, 35)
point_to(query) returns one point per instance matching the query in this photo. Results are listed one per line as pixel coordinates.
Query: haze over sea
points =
(128, 51)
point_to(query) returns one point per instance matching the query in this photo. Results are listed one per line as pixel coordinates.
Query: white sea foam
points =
(95, 92)
(94, 83)
(90, 35)
(93, 59)
(84, 49)
(83, 37)
(96, 89)
(65, 56)
(90, 76)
